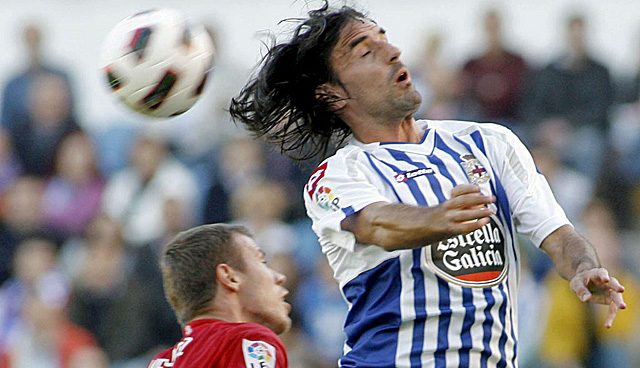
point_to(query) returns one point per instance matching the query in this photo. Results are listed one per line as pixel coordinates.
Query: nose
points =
(394, 53)
(280, 278)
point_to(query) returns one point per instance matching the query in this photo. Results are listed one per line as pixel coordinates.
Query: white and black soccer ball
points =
(157, 63)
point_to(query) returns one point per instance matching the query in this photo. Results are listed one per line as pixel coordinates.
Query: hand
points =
(467, 209)
(596, 286)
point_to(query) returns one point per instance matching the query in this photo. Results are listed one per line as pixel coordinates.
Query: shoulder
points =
(488, 136)
(260, 346)
(257, 332)
(238, 331)
(345, 156)
(342, 164)
(165, 354)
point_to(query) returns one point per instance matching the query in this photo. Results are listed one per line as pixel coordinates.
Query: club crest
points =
(476, 173)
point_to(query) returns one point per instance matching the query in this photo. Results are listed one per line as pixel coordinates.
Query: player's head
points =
(214, 261)
(283, 101)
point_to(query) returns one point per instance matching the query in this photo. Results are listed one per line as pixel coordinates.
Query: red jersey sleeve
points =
(259, 347)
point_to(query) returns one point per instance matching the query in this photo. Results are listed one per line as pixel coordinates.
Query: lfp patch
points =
(326, 199)
(258, 354)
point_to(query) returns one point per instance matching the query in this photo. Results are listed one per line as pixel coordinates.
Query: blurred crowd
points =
(84, 213)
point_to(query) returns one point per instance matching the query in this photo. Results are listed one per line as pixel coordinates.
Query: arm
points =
(399, 226)
(577, 261)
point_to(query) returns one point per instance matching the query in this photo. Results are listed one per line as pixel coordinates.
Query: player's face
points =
(262, 294)
(371, 73)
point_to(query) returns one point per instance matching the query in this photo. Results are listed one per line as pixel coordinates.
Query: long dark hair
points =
(281, 103)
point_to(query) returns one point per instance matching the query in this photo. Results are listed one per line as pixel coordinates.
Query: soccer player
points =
(230, 303)
(418, 219)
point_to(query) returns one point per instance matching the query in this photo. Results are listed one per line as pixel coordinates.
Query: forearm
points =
(571, 253)
(400, 226)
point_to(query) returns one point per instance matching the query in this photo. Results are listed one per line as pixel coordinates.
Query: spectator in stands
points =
(49, 121)
(494, 80)
(20, 218)
(572, 189)
(47, 339)
(110, 299)
(34, 266)
(136, 195)
(15, 96)
(575, 91)
(438, 83)
(72, 197)
(241, 161)
(261, 206)
(147, 269)
(563, 343)
(10, 167)
(321, 308)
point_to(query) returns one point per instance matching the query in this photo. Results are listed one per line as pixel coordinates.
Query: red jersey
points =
(210, 343)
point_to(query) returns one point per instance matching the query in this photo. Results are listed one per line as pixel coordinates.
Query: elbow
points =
(373, 232)
(371, 226)
(378, 238)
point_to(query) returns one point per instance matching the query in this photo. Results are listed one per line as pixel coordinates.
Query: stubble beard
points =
(403, 105)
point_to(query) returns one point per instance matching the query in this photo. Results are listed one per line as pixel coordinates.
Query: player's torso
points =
(445, 304)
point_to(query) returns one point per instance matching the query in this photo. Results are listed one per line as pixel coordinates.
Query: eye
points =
(366, 53)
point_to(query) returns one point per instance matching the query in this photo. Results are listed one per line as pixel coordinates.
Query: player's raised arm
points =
(576, 260)
(399, 226)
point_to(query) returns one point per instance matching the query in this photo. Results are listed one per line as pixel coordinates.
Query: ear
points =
(332, 94)
(227, 277)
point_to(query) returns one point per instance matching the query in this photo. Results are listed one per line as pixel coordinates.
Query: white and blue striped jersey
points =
(450, 304)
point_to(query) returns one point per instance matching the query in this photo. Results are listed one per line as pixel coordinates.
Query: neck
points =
(224, 306)
(219, 314)
(405, 131)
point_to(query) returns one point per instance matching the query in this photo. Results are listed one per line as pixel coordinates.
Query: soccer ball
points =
(157, 63)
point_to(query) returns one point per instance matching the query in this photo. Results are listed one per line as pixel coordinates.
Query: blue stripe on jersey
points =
(465, 335)
(374, 318)
(441, 145)
(504, 205)
(375, 167)
(486, 326)
(502, 196)
(419, 306)
(497, 190)
(419, 296)
(469, 313)
(515, 340)
(435, 185)
(503, 336)
(443, 324)
(413, 186)
(443, 169)
(348, 211)
(443, 287)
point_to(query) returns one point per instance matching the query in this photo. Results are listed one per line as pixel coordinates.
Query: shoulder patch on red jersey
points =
(316, 175)
(258, 354)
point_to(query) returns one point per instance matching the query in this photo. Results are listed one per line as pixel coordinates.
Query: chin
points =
(281, 326)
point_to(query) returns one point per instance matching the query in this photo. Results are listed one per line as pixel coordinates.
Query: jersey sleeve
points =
(257, 346)
(338, 188)
(535, 210)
